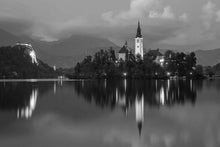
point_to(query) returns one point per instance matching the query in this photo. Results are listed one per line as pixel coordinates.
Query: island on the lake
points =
(21, 62)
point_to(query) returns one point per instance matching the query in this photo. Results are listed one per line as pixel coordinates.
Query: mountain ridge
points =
(62, 53)
(67, 52)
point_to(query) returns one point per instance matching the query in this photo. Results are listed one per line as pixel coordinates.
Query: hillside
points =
(208, 57)
(67, 52)
(20, 61)
(77, 47)
(79, 44)
(63, 53)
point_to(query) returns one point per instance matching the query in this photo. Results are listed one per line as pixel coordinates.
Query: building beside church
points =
(157, 56)
(139, 47)
(123, 52)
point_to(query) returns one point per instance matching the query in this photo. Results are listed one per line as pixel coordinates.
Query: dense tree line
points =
(16, 63)
(105, 64)
(211, 71)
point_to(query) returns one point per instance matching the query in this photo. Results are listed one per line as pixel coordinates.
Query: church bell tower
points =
(139, 43)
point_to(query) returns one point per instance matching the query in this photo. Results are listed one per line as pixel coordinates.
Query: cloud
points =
(166, 14)
(140, 9)
(40, 29)
(208, 13)
(218, 16)
(184, 17)
(190, 36)
(169, 22)
(15, 25)
(158, 20)
(199, 31)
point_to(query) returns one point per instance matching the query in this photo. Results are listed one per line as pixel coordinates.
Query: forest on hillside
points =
(15, 63)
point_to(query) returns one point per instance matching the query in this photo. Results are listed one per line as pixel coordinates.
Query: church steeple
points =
(139, 31)
(126, 44)
(139, 46)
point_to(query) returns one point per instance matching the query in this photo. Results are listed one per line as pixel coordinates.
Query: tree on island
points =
(105, 64)
(180, 64)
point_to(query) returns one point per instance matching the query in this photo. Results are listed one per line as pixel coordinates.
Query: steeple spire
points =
(126, 44)
(139, 31)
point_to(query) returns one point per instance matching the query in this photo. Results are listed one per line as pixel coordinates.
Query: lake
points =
(110, 113)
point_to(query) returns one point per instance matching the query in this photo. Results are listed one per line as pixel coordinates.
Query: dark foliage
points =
(110, 93)
(104, 65)
(16, 63)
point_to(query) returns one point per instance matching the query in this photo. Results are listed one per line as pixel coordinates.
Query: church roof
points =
(123, 50)
(139, 31)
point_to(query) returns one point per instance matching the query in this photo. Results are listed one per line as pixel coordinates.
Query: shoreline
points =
(85, 79)
(37, 80)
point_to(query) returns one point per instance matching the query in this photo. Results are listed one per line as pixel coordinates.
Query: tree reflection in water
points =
(126, 93)
(21, 97)
(26, 111)
(123, 93)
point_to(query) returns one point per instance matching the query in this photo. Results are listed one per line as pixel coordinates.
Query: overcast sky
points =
(191, 24)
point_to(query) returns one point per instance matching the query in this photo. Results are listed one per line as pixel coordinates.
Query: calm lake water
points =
(154, 113)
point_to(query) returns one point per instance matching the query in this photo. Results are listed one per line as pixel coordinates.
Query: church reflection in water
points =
(126, 94)
(133, 95)
(139, 112)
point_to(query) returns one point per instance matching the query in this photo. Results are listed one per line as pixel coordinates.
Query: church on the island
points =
(139, 47)
(124, 52)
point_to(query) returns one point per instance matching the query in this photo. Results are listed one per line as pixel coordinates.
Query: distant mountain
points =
(42, 53)
(67, 52)
(20, 61)
(7, 38)
(208, 57)
(78, 46)
(63, 53)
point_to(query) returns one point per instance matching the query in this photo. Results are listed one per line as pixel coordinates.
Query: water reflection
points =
(139, 112)
(21, 97)
(26, 112)
(126, 93)
(110, 113)
(54, 87)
